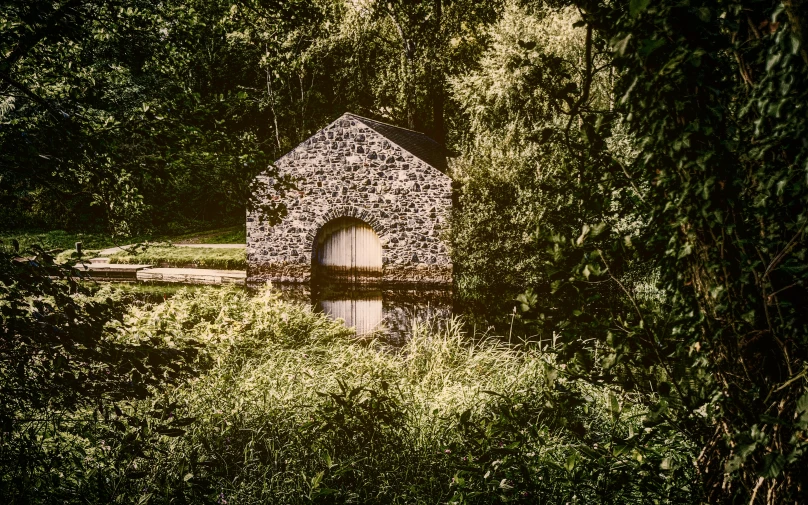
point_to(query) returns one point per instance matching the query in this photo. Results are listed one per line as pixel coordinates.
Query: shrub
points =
(293, 408)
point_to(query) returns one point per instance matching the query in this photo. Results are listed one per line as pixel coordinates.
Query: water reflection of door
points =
(347, 250)
(361, 310)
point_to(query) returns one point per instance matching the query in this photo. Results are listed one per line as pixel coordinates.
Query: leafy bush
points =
(646, 188)
(68, 386)
(293, 408)
(688, 179)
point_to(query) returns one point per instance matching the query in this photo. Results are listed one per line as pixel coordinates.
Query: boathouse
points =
(371, 205)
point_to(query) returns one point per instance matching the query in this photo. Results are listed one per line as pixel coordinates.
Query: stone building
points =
(372, 204)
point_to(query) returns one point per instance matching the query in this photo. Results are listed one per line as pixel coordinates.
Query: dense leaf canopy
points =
(631, 173)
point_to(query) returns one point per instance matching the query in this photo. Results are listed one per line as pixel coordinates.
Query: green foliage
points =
(514, 174)
(293, 408)
(114, 118)
(57, 239)
(636, 169)
(67, 386)
(645, 185)
(135, 116)
(686, 170)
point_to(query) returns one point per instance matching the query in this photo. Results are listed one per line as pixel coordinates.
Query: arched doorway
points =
(346, 249)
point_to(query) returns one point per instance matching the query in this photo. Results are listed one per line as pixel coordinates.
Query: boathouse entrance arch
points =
(347, 249)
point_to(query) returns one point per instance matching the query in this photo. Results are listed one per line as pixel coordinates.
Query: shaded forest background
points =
(634, 172)
(142, 116)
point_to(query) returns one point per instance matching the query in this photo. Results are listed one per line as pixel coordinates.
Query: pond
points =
(385, 312)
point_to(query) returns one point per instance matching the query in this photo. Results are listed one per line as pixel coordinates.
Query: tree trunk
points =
(438, 127)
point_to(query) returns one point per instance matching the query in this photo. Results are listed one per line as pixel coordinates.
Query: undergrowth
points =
(57, 239)
(290, 407)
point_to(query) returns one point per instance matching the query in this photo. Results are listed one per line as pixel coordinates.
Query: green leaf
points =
(620, 46)
(802, 404)
(637, 7)
(773, 464)
(170, 432)
(772, 61)
(648, 46)
(572, 459)
(614, 406)
(465, 416)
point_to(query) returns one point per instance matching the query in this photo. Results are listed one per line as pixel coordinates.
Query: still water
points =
(385, 312)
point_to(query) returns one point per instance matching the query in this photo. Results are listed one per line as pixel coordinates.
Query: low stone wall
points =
(283, 273)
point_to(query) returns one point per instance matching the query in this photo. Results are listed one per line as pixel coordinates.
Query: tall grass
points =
(291, 407)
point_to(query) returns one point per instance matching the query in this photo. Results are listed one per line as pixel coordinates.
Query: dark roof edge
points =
(445, 152)
(363, 119)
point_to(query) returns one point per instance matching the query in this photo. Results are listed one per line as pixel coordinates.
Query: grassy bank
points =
(289, 407)
(63, 240)
(60, 239)
(230, 235)
(184, 257)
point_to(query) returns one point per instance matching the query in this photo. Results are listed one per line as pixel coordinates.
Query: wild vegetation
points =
(63, 241)
(283, 404)
(632, 175)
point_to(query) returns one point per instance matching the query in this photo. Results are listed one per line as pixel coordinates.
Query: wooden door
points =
(348, 250)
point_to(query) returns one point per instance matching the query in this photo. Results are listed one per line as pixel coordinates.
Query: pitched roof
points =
(417, 144)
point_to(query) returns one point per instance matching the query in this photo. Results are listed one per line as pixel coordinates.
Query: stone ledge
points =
(298, 273)
(191, 275)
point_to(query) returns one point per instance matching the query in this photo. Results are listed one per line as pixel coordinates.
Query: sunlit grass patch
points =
(229, 235)
(184, 257)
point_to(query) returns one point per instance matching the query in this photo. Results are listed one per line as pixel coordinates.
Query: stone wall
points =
(348, 169)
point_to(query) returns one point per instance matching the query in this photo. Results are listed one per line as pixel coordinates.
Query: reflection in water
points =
(362, 311)
(387, 313)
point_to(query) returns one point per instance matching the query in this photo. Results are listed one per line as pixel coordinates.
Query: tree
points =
(710, 95)
(112, 114)
(652, 200)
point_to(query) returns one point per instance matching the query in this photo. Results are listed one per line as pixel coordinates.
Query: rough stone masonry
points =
(391, 178)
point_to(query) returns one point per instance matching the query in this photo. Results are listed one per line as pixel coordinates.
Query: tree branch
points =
(33, 96)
